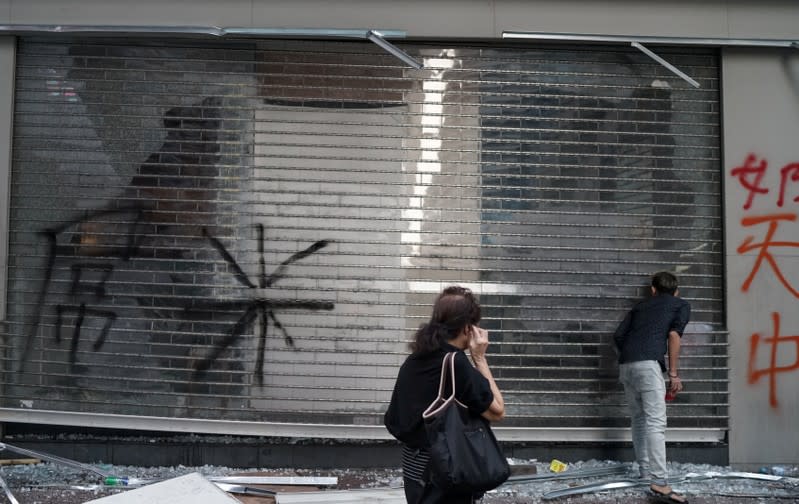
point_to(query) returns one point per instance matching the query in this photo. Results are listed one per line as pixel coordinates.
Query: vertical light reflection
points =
(428, 162)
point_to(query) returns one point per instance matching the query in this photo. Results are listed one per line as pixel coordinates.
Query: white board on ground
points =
(360, 496)
(277, 480)
(189, 489)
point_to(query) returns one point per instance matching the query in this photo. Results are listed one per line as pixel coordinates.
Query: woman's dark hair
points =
(664, 282)
(455, 308)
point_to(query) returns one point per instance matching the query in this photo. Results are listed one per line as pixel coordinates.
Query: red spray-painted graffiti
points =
(789, 172)
(750, 175)
(768, 241)
(773, 369)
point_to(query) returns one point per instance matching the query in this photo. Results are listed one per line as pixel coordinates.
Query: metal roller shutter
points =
(252, 230)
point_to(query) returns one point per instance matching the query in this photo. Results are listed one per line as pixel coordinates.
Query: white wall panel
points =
(761, 114)
(146, 12)
(671, 18)
(471, 19)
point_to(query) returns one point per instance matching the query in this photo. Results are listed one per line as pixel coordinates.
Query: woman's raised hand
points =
(478, 343)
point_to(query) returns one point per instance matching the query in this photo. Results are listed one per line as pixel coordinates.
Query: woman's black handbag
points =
(464, 454)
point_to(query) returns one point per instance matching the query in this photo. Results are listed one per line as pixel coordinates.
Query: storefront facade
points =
(240, 233)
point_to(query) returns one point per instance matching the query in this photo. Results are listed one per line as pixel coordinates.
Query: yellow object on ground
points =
(557, 466)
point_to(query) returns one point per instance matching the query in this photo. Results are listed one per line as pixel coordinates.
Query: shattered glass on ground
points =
(48, 483)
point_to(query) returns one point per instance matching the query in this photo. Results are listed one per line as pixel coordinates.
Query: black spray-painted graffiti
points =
(258, 307)
(157, 221)
(79, 239)
(77, 243)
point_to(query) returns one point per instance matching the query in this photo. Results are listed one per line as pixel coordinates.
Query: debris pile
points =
(620, 480)
(531, 481)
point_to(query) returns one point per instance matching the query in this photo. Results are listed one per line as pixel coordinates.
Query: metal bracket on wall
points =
(638, 41)
(376, 36)
(666, 64)
(378, 39)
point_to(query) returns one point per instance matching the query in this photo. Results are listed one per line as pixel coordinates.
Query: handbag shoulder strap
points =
(447, 370)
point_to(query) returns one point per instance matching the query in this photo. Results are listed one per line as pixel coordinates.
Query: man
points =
(651, 329)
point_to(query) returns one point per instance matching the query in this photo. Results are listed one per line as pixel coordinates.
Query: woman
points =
(452, 328)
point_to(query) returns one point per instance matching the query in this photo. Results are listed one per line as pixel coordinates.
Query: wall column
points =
(8, 46)
(761, 198)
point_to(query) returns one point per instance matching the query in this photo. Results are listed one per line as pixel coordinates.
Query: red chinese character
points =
(750, 175)
(788, 171)
(763, 254)
(773, 369)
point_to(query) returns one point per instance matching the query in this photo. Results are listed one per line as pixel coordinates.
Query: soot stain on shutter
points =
(168, 197)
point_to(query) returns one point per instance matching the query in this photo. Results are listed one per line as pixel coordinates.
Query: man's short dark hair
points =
(664, 282)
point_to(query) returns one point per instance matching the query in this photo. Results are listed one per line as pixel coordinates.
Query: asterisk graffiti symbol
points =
(259, 308)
